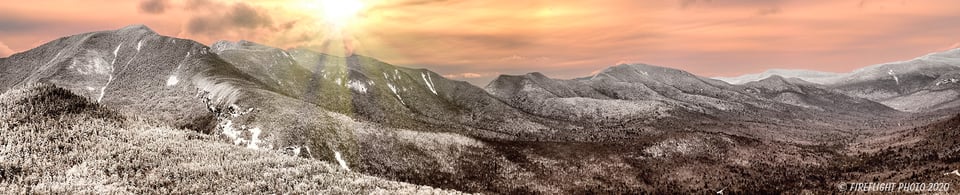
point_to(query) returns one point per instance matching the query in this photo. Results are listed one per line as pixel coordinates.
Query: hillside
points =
(78, 146)
(182, 84)
(368, 89)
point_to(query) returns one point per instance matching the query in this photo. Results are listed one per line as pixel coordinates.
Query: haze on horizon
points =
(477, 40)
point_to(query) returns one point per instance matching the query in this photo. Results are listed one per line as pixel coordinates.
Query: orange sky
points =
(475, 40)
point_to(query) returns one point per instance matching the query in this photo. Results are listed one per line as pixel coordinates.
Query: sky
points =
(477, 40)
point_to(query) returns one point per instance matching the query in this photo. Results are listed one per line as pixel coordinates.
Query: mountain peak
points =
(775, 79)
(790, 74)
(138, 28)
(537, 75)
(223, 45)
(637, 71)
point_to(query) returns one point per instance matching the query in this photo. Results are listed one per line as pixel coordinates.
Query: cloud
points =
(5, 51)
(688, 3)
(200, 4)
(768, 11)
(153, 6)
(12, 23)
(410, 3)
(240, 16)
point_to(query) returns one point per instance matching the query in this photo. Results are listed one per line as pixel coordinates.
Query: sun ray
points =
(340, 12)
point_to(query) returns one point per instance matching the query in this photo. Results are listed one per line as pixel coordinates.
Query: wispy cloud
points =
(768, 11)
(239, 16)
(153, 6)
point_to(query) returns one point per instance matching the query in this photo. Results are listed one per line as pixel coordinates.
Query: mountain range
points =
(630, 128)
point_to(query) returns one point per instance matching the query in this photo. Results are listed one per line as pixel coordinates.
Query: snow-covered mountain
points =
(638, 92)
(180, 83)
(631, 128)
(922, 84)
(806, 75)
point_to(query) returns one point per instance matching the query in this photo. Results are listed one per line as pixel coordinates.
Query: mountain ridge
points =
(524, 133)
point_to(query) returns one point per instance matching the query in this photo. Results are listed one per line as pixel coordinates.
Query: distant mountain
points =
(653, 97)
(923, 84)
(801, 93)
(806, 75)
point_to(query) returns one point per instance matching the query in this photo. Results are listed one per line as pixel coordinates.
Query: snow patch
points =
(293, 150)
(115, 51)
(357, 86)
(954, 172)
(139, 45)
(343, 164)
(90, 65)
(172, 80)
(54, 57)
(230, 132)
(894, 74)
(394, 90)
(237, 135)
(429, 81)
(254, 138)
(948, 81)
(676, 146)
(236, 111)
(103, 90)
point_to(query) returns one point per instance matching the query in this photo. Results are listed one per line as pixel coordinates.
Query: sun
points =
(339, 12)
